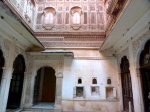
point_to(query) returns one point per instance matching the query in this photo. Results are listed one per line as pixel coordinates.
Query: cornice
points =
(70, 34)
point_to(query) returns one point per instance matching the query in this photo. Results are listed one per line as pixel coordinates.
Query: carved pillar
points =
(24, 90)
(29, 91)
(58, 96)
(5, 85)
(140, 89)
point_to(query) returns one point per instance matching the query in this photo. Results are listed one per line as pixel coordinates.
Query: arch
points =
(33, 2)
(94, 81)
(145, 54)
(76, 14)
(16, 85)
(49, 15)
(124, 66)
(44, 86)
(126, 83)
(2, 62)
(79, 81)
(76, 9)
(142, 45)
(144, 63)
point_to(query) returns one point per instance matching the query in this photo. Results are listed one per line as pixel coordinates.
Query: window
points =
(94, 81)
(76, 15)
(108, 81)
(76, 18)
(49, 18)
(79, 81)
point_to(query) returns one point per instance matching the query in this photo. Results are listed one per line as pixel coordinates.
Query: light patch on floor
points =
(43, 105)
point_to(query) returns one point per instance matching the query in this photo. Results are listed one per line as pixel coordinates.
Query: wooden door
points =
(16, 85)
(15, 91)
(37, 88)
(49, 85)
(145, 73)
(146, 87)
(126, 84)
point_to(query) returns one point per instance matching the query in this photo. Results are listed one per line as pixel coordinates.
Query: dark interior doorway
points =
(126, 84)
(45, 86)
(145, 74)
(2, 61)
(16, 85)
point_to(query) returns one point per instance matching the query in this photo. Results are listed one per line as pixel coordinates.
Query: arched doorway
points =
(44, 86)
(126, 84)
(2, 61)
(16, 85)
(145, 73)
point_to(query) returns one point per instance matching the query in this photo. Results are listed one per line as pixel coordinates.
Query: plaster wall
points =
(87, 70)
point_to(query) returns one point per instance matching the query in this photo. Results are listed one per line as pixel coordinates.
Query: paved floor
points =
(44, 105)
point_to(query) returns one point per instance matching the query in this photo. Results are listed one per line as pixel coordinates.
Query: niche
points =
(80, 81)
(94, 80)
(109, 92)
(94, 90)
(108, 80)
(79, 91)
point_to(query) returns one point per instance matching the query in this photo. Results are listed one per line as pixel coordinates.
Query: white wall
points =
(86, 69)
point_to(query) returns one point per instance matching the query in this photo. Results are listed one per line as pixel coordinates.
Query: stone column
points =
(24, 90)
(5, 85)
(140, 89)
(58, 96)
(134, 79)
(29, 91)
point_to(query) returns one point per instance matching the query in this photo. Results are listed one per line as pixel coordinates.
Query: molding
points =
(94, 58)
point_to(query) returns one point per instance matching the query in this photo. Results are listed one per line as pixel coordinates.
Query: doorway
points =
(126, 84)
(1, 65)
(16, 85)
(145, 74)
(44, 86)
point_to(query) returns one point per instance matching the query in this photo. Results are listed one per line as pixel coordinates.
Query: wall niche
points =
(108, 80)
(95, 90)
(109, 92)
(78, 92)
(94, 80)
(79, 80)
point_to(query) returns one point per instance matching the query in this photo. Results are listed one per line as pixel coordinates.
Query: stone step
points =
(40, 110)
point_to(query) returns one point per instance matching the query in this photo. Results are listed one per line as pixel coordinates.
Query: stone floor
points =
(44, 105)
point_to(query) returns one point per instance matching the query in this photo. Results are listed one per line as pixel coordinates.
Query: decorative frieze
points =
(138, 42)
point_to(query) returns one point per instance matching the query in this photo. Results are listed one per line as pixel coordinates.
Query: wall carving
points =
(138, 42)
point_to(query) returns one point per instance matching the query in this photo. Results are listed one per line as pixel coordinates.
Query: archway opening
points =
(16, 85)
(145, 74)
(2, 61)
(44, 86)
(126, 84)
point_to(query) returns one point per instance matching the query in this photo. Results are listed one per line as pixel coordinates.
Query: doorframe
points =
(59, 79)
(142, 67)
(22, 93)
(125, 72)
